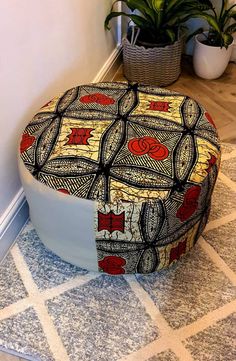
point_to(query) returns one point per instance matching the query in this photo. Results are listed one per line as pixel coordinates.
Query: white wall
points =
(47, 46)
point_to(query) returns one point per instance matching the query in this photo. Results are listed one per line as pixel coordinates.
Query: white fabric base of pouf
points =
(64, 223)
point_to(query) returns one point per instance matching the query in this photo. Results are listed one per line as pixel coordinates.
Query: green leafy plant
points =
(159, 20)
(222, 25)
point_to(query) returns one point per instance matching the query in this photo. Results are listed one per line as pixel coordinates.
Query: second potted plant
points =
(214, 47)
(152, 49)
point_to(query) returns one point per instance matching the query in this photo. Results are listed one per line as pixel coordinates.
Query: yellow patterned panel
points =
(205, 150)
(51, 105)
(90, 150)
(120, 191)
(164, 252)
(173, 114)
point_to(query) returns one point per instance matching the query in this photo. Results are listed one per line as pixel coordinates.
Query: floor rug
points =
(53, 311)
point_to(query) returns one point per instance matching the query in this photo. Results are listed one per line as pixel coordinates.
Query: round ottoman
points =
(119, 176)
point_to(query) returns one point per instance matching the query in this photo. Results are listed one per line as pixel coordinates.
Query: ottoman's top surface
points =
(120, 141)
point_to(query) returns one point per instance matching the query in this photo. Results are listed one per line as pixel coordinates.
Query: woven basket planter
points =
(159, 66)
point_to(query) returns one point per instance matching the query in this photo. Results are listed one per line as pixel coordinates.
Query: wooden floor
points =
(217, 96)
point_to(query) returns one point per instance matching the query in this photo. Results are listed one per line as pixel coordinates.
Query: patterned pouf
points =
(119, 176)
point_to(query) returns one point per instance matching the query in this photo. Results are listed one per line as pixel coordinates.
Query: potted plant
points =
(213, 48)
(152, 49)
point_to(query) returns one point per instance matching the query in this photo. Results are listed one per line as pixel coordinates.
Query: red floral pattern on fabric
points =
(111, 222)
(210, 120)
(112, 265)
(211, 162)
(159, 106)
(63, 190)
(190, 203)
(26, 141)
(178, 251)
(98, 98)
(150, 146)
(79, 136)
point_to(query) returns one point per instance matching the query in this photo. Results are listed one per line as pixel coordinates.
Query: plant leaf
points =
(138, 20)
(158, 7)
(142, 6)
(196, 32)
(171, 34)
(227, 14)
(173, 3)
(149, 2)
(222, 8)
(141, 22)
(110, 16)
(185, 5)
(204, 5)
(231, 29)
(211, 21)
(233, 14)
(227, 40)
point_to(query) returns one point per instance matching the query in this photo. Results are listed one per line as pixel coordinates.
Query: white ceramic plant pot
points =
(210, 62)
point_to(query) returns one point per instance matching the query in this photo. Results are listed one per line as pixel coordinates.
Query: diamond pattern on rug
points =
(228, 167)
(216, 343)
(11, 285)
(223, 205)
(164, 356)
(183, 293)
(23, 332)
(227, 148)
(47, 269)
(102, 320)
(223, 241)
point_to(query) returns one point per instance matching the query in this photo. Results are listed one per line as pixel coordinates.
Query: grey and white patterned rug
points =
(53, 311)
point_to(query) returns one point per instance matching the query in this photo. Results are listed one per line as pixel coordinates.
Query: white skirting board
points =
(17, 213)
(12, 221)
(110, 67)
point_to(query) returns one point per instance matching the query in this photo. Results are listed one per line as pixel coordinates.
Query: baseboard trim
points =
(12, 221)
(110, 67)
